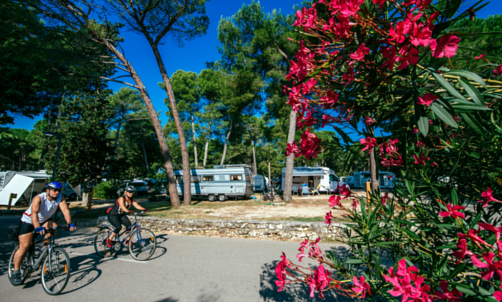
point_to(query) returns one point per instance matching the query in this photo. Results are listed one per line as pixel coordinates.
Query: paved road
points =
(184, 268)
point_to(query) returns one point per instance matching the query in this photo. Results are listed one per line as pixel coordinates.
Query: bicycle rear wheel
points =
(142, 244)
(56, 271)
(99, 242)
(24, 269)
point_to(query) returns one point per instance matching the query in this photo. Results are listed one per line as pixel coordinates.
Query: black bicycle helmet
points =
(130, 189)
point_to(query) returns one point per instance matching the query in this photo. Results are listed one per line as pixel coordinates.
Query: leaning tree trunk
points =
(164, 149)
(255, 170)
(269, 178)
(375, 184)
(290, 160)
(179, 127)
(194, 143)
(109, 173)
(226, 143)
(207, 144)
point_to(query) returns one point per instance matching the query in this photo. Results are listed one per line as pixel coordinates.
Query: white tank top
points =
(47, 209)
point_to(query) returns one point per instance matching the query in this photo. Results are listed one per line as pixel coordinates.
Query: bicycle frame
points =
(133, 227)
(46, 250)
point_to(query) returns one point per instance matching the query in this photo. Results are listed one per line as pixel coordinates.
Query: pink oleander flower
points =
(315, 251)
(385, 198)
(445, 47)
(358, 55)
(421, 35)
(409, 56)
(345, 191)
(304, 245)
(473, 235)
(492, 267)
(427, 99)
(329, 219)
(320, 281)
(498, 295)
(402, 28)
(349, 77)
(300, 256)
(479, 57)
(450, 296)
(415, 130)
(420, 144)
(487, 197)
(334, 201)
(280, 271)
(369, 120)
(349, 7)
(391, 55)
(369, 143)
(420, 160)
(498, 70)
(309, 144)
(462, 245)
(306, 18)
(355, 203)
(361, 286)
(380, 3)
(453, 212)
(489, 227)
(292, 149)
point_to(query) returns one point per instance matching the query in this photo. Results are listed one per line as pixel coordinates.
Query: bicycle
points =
(141, 241)
(53, 259)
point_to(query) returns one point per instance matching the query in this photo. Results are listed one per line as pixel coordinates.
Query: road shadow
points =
(204, 297)
(296, 292)
(84, 272)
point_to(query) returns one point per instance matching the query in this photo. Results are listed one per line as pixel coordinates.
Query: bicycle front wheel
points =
(100, 242)
(142, 244)
(56, 271)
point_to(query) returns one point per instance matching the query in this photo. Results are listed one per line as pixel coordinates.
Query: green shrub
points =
(105, 190)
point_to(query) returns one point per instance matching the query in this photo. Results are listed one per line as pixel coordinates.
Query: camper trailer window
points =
(248, 178)
(179, 179)
(333, 177)
(321, 176)
(195, 178)
(236, 177)
(207, 178)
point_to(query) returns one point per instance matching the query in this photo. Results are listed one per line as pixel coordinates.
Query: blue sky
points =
(194, 55)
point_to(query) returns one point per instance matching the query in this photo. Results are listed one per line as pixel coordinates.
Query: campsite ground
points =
(305, 209)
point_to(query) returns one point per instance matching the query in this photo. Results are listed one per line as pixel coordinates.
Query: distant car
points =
(141, 187)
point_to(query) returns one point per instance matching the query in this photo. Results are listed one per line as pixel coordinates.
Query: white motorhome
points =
(313, 176)
(221, 182)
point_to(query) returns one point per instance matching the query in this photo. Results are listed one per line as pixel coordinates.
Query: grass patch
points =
(209, 212)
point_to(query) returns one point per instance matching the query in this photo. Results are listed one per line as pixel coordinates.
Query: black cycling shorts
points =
(26, 228)
(117, 221)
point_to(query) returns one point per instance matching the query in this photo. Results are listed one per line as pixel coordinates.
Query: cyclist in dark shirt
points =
(117, 215)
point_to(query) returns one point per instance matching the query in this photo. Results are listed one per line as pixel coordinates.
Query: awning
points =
(306, 171)
(18, 185)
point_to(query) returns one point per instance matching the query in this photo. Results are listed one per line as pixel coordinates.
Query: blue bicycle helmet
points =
(53, 185)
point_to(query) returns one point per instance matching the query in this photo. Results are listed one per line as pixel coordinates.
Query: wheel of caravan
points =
(222, 197)
(212, 197)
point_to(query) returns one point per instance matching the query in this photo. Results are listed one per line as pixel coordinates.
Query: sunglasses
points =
(57, 190)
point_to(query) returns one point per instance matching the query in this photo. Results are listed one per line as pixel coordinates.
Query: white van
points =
(314, 176)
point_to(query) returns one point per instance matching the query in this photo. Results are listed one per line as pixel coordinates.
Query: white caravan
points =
(218, 183)
(313, 176)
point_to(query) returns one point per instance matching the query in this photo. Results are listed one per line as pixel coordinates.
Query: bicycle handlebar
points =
(51, 230)
(138, 213)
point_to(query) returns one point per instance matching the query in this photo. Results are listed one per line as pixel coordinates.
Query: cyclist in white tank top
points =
(36, 219)
(46, 210)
